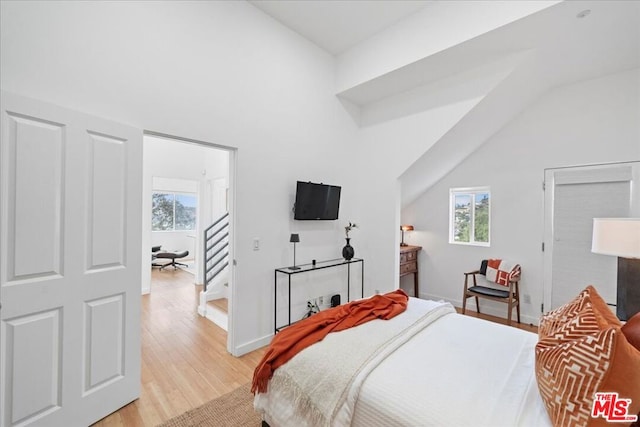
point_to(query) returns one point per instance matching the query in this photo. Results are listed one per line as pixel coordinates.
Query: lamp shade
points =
(295, 238)
(406, 227)
(616, 236)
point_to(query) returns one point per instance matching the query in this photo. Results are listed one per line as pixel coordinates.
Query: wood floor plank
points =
(525, 326)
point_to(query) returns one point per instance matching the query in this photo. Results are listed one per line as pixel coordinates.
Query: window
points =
(469, 221)
(173, 212)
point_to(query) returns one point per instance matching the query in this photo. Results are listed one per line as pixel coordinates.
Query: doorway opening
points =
(187, 197)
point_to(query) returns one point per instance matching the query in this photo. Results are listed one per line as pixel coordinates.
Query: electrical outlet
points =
(527, 299)
(321, 300)
(312, 307)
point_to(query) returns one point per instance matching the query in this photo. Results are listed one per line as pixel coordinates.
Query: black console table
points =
(307, 268)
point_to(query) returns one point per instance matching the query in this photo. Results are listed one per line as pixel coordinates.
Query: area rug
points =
(234, 409)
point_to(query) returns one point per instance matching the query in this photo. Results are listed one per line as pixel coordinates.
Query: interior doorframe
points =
(549, 190)
(146, 223)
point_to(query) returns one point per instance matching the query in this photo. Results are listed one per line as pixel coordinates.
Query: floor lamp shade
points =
(621, 237)
(616, 236)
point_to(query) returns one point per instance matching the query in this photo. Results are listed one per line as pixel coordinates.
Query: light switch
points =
(256, 244)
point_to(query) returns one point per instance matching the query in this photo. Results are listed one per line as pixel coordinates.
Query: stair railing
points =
(216, 249)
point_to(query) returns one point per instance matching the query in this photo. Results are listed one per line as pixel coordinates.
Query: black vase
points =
(347, 251)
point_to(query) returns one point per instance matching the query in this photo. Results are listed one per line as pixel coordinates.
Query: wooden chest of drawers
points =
(409, 264)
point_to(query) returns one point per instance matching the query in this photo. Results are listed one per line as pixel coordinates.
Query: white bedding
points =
(458, 371)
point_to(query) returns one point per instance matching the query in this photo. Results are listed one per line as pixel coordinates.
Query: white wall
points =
(221, 72)
(595, 121)
(385, 151)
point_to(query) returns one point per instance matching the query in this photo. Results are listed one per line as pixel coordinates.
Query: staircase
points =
(215, 270)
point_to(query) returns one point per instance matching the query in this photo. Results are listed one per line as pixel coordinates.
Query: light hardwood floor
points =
(184, 358)
(471, 312)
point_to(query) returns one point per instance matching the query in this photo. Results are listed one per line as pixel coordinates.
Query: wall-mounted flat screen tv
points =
(316, 201)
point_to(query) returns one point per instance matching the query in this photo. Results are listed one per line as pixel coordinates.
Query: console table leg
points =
(348, 281)
(362, 279)
(289, 299)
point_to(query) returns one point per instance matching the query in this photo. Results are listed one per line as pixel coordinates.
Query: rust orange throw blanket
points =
(301, 335)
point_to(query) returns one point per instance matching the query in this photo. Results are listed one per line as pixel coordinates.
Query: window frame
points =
(472, 192)
(174, 194)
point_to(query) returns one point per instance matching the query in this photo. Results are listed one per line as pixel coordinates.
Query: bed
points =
(428, 366)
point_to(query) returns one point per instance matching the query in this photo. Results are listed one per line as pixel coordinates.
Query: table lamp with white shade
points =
(621, 237)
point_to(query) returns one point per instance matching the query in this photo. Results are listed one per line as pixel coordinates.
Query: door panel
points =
(104, 341)
(574, 266)
(35, 343)
(70, 217)
(106, 200)
(573, 197)
(35, 178)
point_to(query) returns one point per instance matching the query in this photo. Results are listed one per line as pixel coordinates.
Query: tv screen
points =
(316, 201)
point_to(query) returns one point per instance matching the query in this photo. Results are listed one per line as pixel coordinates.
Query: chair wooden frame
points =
(510, 297)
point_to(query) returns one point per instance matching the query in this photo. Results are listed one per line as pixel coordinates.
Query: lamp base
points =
(294, 268)
(628, 298)
(403, 244)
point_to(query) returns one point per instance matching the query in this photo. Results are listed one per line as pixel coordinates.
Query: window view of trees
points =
(481, 218)
(173, 212)
(185, 212)
(462, 217)
(470, 217)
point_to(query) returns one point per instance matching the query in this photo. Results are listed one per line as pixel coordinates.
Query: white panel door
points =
(70, 222)
(573, 197)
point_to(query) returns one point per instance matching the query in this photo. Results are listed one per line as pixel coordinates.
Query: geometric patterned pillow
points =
(579, 324)
(555, 319)
(582, 350)
(570, 372)
(601, 308)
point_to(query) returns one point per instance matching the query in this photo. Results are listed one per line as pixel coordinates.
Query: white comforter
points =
(458, 371)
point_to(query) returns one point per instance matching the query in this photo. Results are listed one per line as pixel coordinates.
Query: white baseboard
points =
(252, 345)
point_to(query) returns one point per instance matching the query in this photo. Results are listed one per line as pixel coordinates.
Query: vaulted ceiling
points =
(337, 26)
(399, 58)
